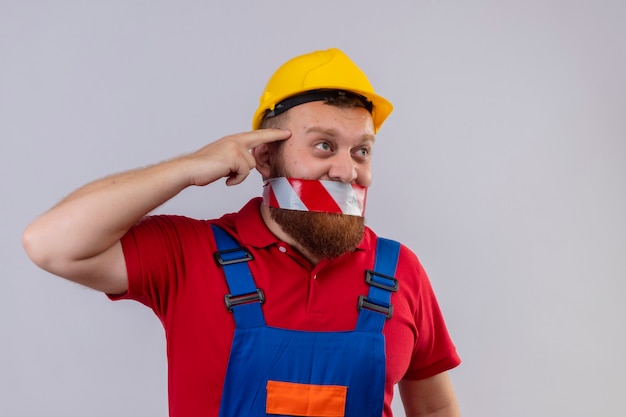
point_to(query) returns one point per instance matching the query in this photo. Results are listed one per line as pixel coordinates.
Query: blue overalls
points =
(281, 372)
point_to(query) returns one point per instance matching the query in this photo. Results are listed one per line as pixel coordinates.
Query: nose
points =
(343, 168)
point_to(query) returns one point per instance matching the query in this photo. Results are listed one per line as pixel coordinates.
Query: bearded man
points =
(291, 306)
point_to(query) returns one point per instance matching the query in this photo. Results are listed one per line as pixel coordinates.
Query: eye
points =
(324, 146)
(363, 152)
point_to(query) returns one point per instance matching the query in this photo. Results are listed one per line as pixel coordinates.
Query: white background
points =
(503, 167)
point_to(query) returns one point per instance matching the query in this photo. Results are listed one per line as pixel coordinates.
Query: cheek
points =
(364, 177)
(293, 163)
(297, 163)
(302, 168)
(290, 163)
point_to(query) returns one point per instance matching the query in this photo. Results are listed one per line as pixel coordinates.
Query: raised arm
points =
(79, 238)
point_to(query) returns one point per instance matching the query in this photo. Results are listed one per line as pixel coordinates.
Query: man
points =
(290, 306)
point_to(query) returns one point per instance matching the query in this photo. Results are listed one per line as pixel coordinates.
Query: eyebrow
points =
(333, 132)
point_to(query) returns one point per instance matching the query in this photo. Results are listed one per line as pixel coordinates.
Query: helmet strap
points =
(316, 95)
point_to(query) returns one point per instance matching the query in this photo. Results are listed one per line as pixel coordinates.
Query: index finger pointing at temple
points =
(261, 136)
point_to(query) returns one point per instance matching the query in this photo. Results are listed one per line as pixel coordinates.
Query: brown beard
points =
(323, 235)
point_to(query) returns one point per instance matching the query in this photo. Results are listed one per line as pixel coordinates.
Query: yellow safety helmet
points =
(319, 70)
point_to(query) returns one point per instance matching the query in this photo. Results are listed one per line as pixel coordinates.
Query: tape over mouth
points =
(320, 196)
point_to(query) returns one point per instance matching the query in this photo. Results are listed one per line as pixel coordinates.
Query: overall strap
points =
(376, 307)
(245, 299)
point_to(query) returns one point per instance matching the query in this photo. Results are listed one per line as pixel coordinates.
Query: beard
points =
(323, 235)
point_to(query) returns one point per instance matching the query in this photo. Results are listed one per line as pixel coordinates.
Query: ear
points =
(262, 154)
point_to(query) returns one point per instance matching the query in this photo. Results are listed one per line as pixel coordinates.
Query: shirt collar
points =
(251, 227)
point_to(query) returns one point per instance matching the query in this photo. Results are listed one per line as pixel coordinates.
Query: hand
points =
(230, 157)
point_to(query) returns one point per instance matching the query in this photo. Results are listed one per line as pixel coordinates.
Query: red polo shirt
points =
(171, 270)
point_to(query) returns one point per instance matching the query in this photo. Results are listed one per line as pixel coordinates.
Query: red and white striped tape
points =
(315, 195)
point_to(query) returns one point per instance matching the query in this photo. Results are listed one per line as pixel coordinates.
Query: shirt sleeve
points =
(155, 251)
(434, 351)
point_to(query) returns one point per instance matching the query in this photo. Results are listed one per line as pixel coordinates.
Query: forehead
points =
(319, 116)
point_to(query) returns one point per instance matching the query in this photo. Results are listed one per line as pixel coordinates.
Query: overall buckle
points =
(374, 279)
(232, 256)
(365, 302)
(234, 300)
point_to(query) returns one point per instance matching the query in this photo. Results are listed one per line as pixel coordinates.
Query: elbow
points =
(54, 253)
(38, 248)
(31, 242)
